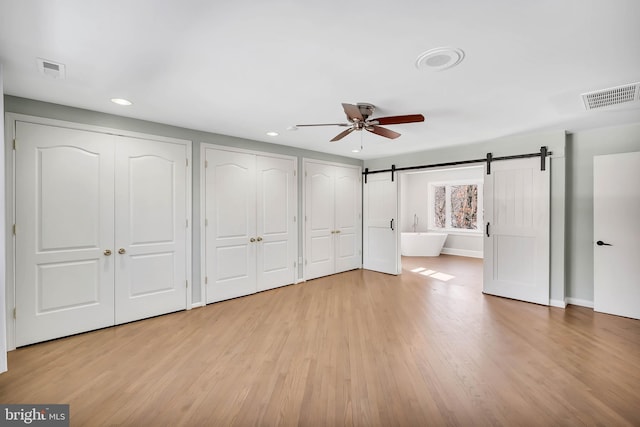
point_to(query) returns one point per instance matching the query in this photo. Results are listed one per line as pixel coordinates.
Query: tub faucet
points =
(415, 222)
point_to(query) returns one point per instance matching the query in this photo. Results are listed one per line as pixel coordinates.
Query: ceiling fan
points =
(359, 117)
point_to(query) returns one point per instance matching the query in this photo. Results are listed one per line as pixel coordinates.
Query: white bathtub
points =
(422, 244)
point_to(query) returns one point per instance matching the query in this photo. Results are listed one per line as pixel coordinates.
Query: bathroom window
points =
(456, 206)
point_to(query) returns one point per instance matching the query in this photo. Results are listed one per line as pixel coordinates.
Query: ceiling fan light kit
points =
(359, 118)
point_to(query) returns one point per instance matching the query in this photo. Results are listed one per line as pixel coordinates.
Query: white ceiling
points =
(246, 67)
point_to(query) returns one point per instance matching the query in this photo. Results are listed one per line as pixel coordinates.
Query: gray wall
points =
(519, 144)
(60, 112)
(581, 148)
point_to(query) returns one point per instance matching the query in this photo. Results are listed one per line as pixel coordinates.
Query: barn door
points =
(516, 241)
(380, 224)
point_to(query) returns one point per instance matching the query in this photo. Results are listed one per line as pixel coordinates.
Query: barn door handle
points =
(391, 224)
(488, 235)
(601, 243)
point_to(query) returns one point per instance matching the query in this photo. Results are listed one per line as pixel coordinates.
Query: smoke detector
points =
(611, 96)
(51, 69)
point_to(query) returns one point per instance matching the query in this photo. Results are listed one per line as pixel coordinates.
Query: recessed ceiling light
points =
(121, 101)
(355, 151)
(440, 58)
(273, 133)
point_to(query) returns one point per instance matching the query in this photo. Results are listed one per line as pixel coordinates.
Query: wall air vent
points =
(51, 69)
(612, 96)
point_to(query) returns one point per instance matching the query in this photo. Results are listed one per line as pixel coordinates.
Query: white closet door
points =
(616, 231)
(319, 225)
(276, 226)
(380, 217)
(347, 219)
(150, 239)
(230, 212)
(65, 223)
(516, 248)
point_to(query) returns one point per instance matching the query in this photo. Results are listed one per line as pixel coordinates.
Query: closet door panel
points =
(319, 221)
(276, 227)
(64, 223)
(347, 218)
(151, 210)
(230, 212)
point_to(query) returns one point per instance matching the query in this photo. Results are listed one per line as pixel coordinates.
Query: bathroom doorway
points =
(441, 224)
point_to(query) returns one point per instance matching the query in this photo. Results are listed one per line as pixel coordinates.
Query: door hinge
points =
(186, 283)
(206, 164)
(305, 173)
(14, 312)
(14, 143)
(14, 229)
(206, 222)
(206, 280)
(294, 172)
(187, 162)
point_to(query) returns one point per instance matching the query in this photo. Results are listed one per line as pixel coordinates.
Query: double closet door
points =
(333, 218)
(101, 233)
(250, 203)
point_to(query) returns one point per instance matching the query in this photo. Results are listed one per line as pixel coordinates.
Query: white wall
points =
(414, 200)
(3, 270)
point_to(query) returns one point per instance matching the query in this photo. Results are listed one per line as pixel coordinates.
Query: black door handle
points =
(488, 235)
(391, 225)
(601, 243)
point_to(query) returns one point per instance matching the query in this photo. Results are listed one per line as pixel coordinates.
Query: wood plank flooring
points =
(356, 349)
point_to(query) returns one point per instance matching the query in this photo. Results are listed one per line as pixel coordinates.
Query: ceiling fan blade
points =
(396, 120)
(387, 133)
(352, 112)
(324, 124)
(342, 134)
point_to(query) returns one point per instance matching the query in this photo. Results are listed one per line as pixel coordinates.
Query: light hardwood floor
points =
(358, 348)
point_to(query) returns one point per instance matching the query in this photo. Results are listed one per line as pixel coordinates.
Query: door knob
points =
(337, 231)
(252, 240)
(259, 239)
(121, 251)
(107, 252)
(601, 243)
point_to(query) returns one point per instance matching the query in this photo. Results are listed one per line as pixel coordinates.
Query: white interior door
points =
(319, 220)
(347, 241)
(277, 245)
(230, 212)
(616, 210)
(151, 229)
(64, 225)
(380, 224)
(516, 247)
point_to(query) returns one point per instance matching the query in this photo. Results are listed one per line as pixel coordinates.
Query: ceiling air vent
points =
(612, 96)
(51, 69)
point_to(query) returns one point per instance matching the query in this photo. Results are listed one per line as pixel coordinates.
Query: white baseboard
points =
(462, 252)
(557, 303)
(580, 302)
(299, 281)
(197, 304)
